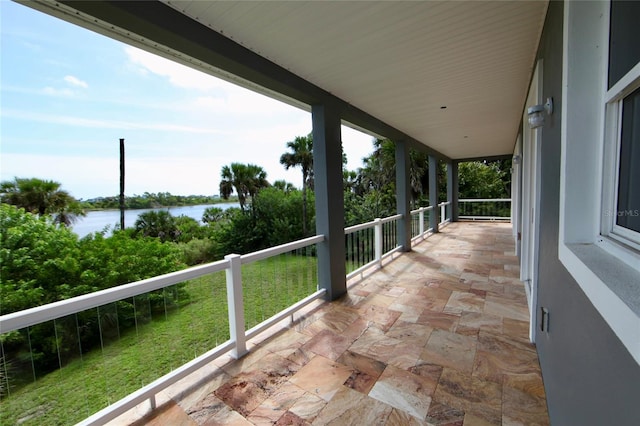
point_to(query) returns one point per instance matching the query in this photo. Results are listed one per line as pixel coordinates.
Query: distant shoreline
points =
(221, 201)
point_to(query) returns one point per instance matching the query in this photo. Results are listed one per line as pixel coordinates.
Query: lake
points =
(97, 220)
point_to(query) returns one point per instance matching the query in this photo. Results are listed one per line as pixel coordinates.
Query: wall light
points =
(536, 113)
(516, 159)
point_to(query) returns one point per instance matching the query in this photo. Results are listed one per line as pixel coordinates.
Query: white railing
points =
(485, 209)
(418, 221)
(236, 344)
(444, 220)
(363, 252)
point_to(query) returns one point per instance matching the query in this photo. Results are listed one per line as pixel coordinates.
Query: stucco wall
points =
(590, 377)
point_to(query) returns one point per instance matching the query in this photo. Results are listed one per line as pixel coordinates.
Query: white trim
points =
(611, 147)
(625, 85)
(620, 317)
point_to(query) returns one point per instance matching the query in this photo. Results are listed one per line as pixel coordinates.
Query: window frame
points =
(611, 233)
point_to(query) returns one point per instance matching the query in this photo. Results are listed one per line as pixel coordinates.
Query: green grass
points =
(144, 353)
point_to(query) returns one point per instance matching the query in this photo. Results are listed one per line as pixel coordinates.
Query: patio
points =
(437, 337)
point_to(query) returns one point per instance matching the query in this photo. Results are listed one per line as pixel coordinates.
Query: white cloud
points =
(67, 93)
(104, 124)
(75, 81)
(177, 74)
(228, 97)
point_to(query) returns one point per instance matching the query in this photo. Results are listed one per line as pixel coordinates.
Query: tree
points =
(284, 186)
(158, 224)
(301, 155)
(212, 215)
(41, 197)
(477, 179)
(246, 179)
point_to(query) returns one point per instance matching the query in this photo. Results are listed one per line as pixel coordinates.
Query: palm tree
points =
(284, 186)
(246, 179)
(158, 224)
(379, 169)
(301, 154)
(41, 197)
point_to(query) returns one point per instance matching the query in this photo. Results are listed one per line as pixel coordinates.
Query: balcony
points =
(439, 336)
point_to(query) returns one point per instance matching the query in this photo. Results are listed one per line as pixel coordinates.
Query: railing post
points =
(377, 240)
(443, 216)
(235, 304)
(421, 217)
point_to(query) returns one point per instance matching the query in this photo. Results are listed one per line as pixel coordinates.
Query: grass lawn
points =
(146, 352)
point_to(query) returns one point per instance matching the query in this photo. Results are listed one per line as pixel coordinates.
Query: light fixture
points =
(536, 113)
(516, 159)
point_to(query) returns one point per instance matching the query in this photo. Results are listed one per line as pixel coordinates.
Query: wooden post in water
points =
(122, 184)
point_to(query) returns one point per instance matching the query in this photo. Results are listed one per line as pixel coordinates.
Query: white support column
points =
(235, 304)
(377, 240)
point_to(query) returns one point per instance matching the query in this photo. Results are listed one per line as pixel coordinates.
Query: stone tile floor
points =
(439, 336)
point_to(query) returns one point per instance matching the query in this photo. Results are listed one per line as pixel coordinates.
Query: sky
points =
(67, 95)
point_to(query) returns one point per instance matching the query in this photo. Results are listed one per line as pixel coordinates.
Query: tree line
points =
(148, 201)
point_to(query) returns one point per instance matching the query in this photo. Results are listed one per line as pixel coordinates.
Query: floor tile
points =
(463, 302)
(402, 418)
(439, 320)
(349, 407)
(322, 377)
(405, 391)
(450, 350)
(276, 405)
(375, 344)
(521, 408)
(366, 371)
(308, 406)
(442, 415)
(474, 396)
(249, 389)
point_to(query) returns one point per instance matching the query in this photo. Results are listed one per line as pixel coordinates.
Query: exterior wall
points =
(590, 378)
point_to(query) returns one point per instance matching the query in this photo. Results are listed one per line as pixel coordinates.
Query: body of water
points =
(97, 220)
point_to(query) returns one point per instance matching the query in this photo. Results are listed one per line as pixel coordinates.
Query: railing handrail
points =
(424, 209)
(444, 203)
(51, 311)
(358, 227)
(472, 200)
(371, 224)
(283, 248)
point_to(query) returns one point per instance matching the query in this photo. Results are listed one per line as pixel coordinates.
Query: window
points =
(628, 206)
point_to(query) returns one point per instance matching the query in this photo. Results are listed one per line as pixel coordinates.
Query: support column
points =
(327, 168)
(403, 194)
(433, 193)
(453, 189)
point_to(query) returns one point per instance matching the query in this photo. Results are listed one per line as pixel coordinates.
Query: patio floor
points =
(439, 336)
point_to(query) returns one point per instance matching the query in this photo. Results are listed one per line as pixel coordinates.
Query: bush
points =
(199, 251)
(43, 263)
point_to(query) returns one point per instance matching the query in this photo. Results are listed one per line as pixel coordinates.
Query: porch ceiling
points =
(392, 65)
(402, 61)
